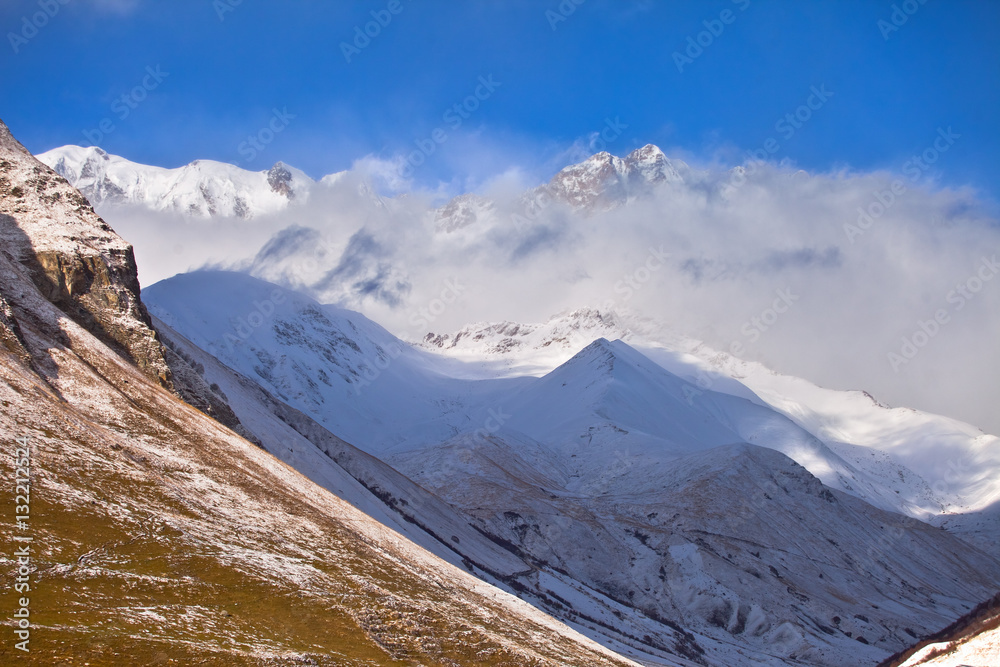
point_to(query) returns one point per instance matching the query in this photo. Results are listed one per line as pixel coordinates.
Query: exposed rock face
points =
(462, 211)
(280, 180)
(604, 181)
(74, 258)
(94, 183)
(568, 331)
(190, 385)
(10, 332)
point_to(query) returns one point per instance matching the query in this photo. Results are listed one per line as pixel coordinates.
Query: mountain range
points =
(205, 188)
(586, 490)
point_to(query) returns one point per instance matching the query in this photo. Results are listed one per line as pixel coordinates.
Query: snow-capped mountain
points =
(386, 495)
(168, 538)
(599, 183)
(529, 348)
(203, 188)
(927, 466)
(673, 502)
(206, 188)
(604, 181)
(702, 507)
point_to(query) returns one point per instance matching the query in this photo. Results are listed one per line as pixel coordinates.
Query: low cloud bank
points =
(875, 281)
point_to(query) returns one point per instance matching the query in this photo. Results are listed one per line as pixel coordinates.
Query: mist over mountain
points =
(664, 496)
(757, 260)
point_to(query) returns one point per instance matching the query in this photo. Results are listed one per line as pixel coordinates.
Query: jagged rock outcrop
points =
(280, 180)
(600, 183)
(10, 331)
(604, 181)
(74, 258)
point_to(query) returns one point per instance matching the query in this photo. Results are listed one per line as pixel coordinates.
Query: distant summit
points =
(202, 188)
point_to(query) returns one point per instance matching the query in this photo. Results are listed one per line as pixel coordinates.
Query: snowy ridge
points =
(203, 188)
(206, 188)
(599, 183)
(526, 347)
(927, 466)
(55, 216)
(463, 211)
(604, 181)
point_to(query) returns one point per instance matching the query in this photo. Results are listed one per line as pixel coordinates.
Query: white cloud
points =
(730, 257)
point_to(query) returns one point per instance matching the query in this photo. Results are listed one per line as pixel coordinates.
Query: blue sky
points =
(558, 81)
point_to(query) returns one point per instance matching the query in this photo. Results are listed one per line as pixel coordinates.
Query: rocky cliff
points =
(74, 258)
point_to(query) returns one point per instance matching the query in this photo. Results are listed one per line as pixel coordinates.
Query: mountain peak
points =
(280, 180)
(599, 345)
(604, 181)
(601, 157)
(649, 150)
(600, 350)
(609, 351)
